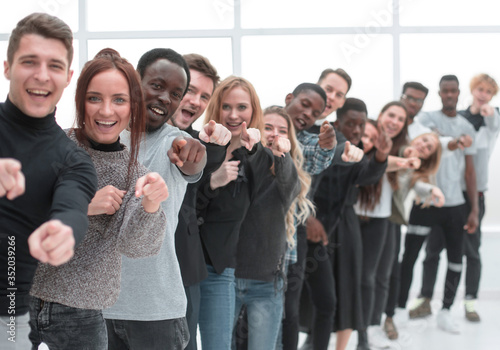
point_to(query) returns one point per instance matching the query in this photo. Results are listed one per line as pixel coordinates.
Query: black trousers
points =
(388, 296)
(321, 286)
(374, 233)
(447, 226)
(471, 245)
(295, 279)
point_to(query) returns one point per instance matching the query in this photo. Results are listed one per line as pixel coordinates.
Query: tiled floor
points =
(424, 334)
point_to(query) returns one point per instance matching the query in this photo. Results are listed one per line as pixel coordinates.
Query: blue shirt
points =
(316, 159)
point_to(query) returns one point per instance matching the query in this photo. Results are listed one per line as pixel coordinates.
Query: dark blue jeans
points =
(63, 327)
(152, 335)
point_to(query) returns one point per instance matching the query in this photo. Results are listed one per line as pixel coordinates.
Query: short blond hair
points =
(484, 78)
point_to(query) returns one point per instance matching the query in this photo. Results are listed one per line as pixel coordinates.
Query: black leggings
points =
(374, 237)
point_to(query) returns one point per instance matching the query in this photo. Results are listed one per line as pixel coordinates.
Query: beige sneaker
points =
(470, 311)
(421, 307)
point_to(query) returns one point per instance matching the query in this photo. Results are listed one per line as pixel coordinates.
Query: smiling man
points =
(46, 182)
(304, 106)
(150, 311)
(204, 79)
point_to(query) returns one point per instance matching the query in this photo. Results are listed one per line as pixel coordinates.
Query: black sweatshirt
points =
(337, 186)
(60, 183)
(187, 235)
(223, 210)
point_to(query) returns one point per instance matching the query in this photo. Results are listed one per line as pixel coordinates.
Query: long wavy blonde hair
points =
(301, 207)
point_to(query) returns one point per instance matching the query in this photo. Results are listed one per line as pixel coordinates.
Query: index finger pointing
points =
(139, 185)
(347, 147)
(211, 127)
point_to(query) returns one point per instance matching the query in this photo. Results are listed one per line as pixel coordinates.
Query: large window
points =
(277, 44)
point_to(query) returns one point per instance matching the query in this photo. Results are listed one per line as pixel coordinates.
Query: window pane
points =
(217, 50)
(315, 13)
(277, 64)
(448, 13)
(424, 58)
(64, 9)
(159, 15)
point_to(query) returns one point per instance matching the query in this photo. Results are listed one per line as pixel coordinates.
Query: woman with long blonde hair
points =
(224, 199)
(268, 226)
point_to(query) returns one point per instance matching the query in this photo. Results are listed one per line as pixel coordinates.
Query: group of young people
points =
(132, 230)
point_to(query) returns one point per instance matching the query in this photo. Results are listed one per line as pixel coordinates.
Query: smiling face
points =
(392, 120)
(107, 107)
(336, 88)
(236, 108)
(482, 94)
(304, 109)
(163, 85)
(426, 145)
(274, 124)
(369, 137)
(195, 101)
(352, 125)
(38, 75)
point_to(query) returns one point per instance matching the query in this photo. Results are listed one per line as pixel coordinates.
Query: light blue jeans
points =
(264, 302)
(217, 309)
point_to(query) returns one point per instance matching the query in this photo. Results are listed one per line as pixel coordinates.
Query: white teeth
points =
(38, 92)
(157, 111)
(105, 123)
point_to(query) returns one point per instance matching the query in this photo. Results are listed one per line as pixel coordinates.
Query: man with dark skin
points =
(450, 218)
(204, 80)
(141, 318)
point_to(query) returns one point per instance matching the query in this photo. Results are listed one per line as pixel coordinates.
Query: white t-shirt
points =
(384, 208)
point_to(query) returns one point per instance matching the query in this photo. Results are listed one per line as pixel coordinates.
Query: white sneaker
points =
(377, 338)
(446, 322)
(401, 316)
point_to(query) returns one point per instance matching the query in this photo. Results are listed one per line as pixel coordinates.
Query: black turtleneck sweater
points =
(60, 183)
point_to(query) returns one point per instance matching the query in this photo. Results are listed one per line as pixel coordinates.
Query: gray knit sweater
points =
(91, 279)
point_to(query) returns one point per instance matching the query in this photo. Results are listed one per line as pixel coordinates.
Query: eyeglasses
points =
(419, 101)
